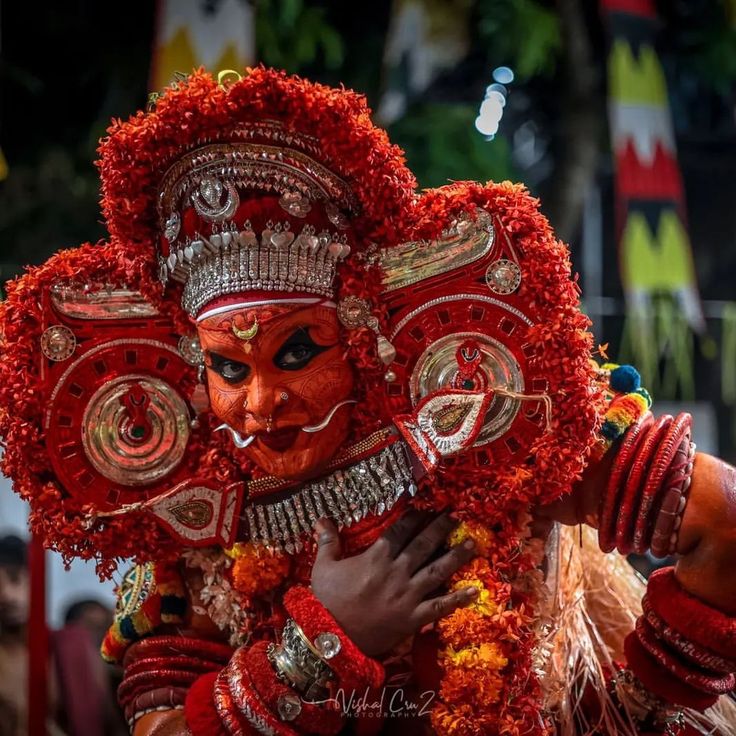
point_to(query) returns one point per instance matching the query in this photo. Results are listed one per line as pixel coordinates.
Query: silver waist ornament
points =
(371, 486)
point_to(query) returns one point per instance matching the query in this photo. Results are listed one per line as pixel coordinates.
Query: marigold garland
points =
(256, 570)
(494, 501)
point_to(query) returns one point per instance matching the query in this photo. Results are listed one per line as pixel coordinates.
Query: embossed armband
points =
(301, 663)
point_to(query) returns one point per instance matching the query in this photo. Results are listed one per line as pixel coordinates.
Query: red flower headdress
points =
(265, 109)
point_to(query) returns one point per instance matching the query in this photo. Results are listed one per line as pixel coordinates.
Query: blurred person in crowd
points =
(14, 608)
(91, 618)
(80, 697)
(95, 616)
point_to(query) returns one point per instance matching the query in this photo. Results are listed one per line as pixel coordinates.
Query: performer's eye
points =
(298, 350)
(231, 370)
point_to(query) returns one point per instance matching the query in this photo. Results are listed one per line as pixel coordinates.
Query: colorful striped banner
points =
(193, 33)
(655, 253)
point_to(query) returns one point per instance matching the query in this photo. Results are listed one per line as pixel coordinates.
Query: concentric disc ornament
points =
(354, 312)
(190, 349)
(58, 343)
(503, 276)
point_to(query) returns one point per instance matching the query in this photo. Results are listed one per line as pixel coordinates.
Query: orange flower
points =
(256, 570)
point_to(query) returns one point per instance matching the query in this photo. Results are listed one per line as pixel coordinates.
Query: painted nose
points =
(264, 400)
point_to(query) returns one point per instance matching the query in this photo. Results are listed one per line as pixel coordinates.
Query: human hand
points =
(384, 594)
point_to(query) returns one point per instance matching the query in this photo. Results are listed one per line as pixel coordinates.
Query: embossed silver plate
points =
(437, 368)
(73, 300)
(466, 242)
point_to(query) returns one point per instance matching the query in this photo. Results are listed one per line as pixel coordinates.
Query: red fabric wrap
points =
(354, 670)
(690, 617)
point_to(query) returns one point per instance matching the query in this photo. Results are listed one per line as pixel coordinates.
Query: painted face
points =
(274, 371)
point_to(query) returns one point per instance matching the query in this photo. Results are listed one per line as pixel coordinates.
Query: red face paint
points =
(273, 370)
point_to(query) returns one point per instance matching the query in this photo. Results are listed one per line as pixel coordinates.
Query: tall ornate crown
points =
(211, 245)
(210, 158)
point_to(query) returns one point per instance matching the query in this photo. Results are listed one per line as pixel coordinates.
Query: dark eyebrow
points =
(218, 359)
(299, 334)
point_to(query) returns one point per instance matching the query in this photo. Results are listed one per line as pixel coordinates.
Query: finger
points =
(427, 542)
(436, 608)
(436, 573)
(395, 538)
(329, 548)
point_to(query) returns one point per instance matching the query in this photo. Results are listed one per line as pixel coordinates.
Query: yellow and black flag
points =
(215, 34)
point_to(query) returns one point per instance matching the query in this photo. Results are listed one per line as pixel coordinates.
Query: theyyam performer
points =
(341, 426)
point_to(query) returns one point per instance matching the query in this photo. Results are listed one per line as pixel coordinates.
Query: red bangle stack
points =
(647, 489)
(240, 706)
(159, 670)
(316, 718)
(683, 650)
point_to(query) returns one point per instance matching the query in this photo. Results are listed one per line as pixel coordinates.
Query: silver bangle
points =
(644, 706)
(298, 663)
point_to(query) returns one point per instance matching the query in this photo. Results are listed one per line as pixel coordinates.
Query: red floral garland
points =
(495, 500)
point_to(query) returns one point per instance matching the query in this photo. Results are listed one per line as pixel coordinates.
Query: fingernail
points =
(471, 592)
(469, 544)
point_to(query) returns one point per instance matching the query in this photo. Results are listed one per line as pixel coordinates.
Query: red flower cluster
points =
(498, 497)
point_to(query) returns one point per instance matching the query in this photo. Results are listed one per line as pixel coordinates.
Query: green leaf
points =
(522, 34)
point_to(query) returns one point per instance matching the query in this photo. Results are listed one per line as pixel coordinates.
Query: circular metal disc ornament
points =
(190, 349)
(437, 368)
(327, 644)
(115, 452)
(289, 706)
(58, 343)
(503, 276)
(354, 312)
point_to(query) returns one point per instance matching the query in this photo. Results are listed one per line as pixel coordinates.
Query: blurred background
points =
(619, 114)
